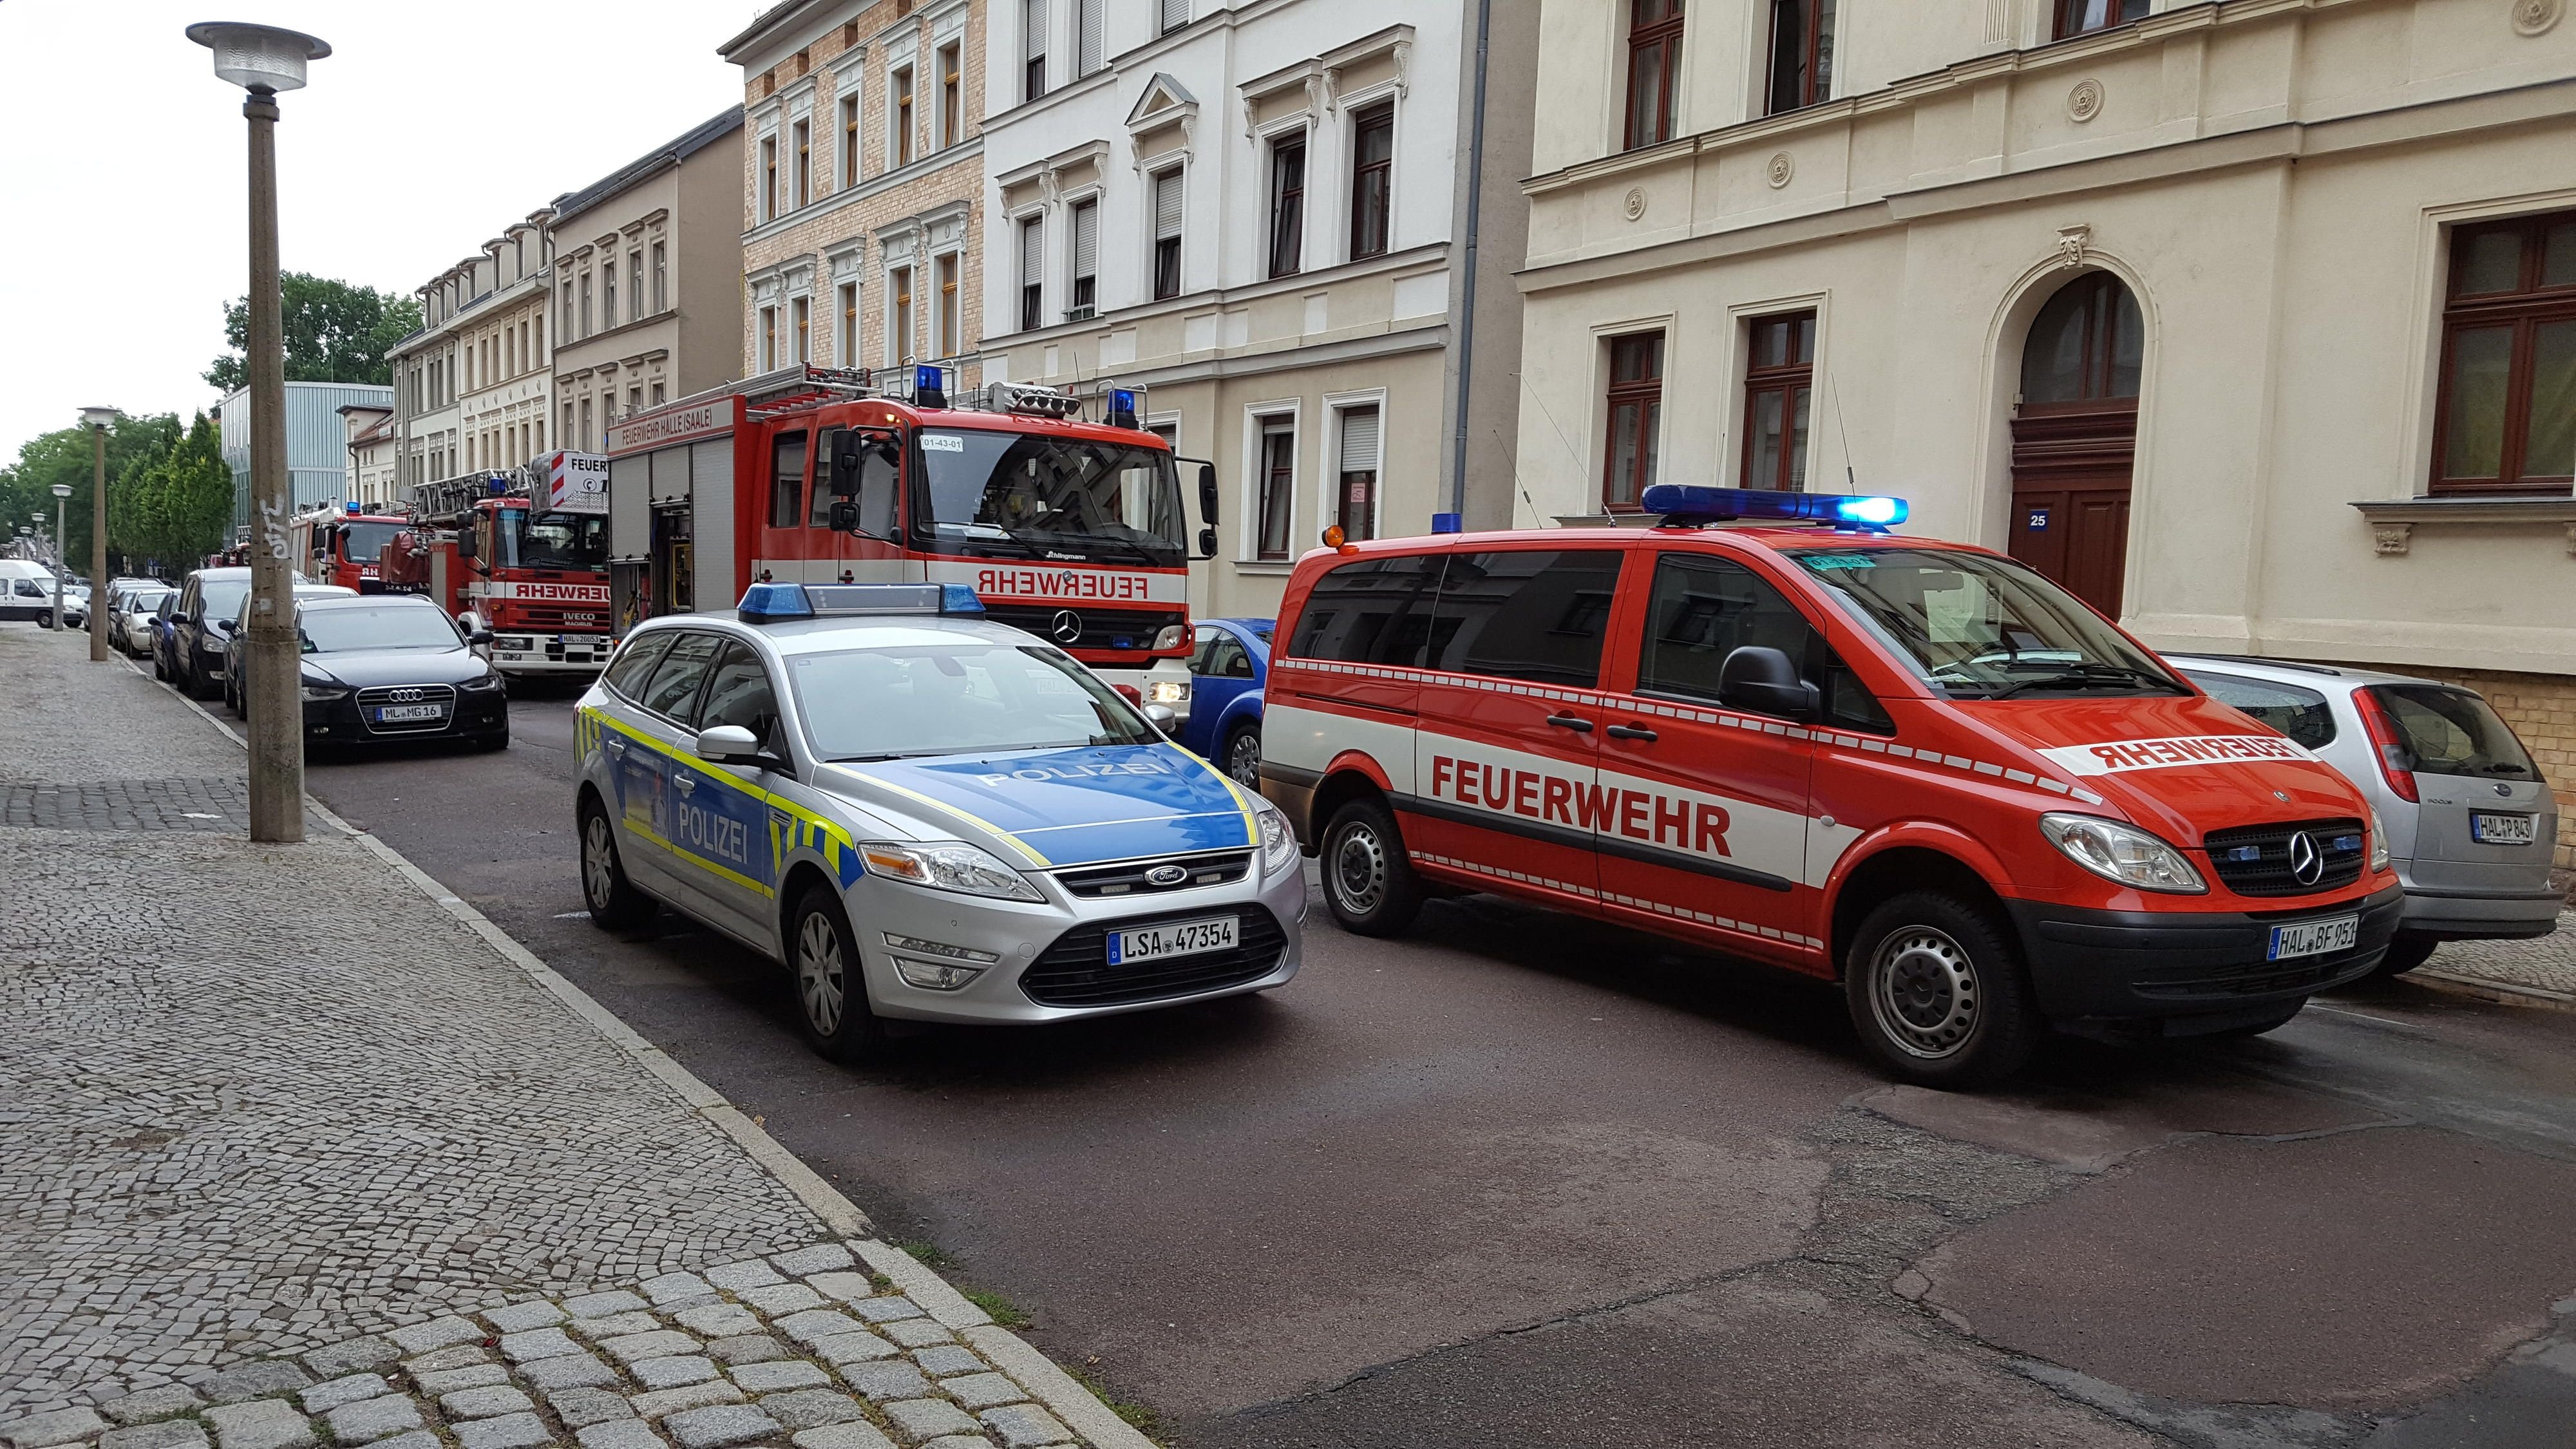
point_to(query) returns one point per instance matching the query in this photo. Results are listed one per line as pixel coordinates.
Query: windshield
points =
(363, 542)
(395, 626)
(144, 601)
(1981, 627)
(1017, 495)
(531, 540)
(223, 597)
(954, 699)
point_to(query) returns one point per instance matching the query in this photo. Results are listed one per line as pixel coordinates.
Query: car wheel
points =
(1935, 992)
(1243, 756)
(197, 686)
(1369, 882)
(2405, 953)
(831, 986)
(614, 901)
(160, 670)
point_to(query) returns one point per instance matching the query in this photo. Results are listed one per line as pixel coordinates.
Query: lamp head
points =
(62, 490)
(263, 59)
(99, 417)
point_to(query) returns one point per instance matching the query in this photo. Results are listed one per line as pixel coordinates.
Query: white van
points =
(26, 590)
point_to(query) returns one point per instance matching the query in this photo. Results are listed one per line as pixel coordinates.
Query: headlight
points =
(949, 865)
(324, 693)
(2121, 853)
(1171, 636)
(1166, 691)
(2378, 841)
(487, 680)
(1278, 841)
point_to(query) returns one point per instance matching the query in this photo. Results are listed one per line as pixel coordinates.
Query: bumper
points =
(476, 716)
(2480, 915)
(1037, 940)
(2089, 964)
(531, 655)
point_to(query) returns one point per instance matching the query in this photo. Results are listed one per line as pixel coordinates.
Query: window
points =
(659, 398)
(634, 663)
(2302, 714)
(899, 315)
(2445, 731)
(1702, 609)
(2505, 420)
(952, 332)
(1033, 39)
(1372, 177)
(902, 117)
(634, 400)
(588, 437)
(2086, 346)
(661, 277)
(1032, 272)
(1636, 419)
(768, 177)
(675, 683)
(845, 342)
(1654, 64)
(2074, 17)
(1779, 382)
(952, 96)
(1287, 204)
(768, 338)
(1375, 611)
(635, 286)
(1278, 479)
(798, 311)
(1802, 53)
(1175, 14)
(568, 434)
(1167, 233)
(804, 173)
(787, 480)
(1355, 499)
(848, 168)
(1086, 37)
(1534, 614)
(738, 693)
(607, 292)
(1085, 262)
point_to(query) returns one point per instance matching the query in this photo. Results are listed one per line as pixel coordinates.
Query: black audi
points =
(385, 668)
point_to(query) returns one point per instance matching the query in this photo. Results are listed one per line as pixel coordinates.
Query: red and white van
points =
(1915, 766)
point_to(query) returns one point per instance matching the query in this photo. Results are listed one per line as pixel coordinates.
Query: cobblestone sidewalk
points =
(2544, 963)
(295, 1156)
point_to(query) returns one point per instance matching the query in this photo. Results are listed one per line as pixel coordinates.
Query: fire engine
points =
(1070, 529)
(344, 546)
(522, 554)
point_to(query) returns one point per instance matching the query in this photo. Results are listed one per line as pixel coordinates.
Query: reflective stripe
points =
(816, 833)
(977, 821)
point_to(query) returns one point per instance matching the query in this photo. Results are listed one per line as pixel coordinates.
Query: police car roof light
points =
(777, 603)
(1685, 505)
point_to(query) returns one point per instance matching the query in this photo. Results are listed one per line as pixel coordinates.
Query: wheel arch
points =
(1910, 857)
(791, 889)
(1352, 775)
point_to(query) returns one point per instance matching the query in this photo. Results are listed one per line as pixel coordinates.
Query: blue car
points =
(1226, 673)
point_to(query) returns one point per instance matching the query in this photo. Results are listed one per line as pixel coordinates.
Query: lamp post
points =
(99, 420)
(61, 492)
(263, 60)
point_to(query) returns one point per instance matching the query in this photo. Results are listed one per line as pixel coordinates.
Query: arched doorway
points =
(2074, 434)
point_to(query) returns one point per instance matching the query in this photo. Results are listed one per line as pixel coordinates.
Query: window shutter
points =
(1086, 239)
(1359, 440)
(1032, 252)
(1176, 13)
(1033, 30)
(1167, 205)
(1087, 43)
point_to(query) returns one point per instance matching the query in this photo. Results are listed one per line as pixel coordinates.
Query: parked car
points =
(129, 627)
(192, 645)
(1226, 673)
(157, 641)
(26, 590)
(2471, 823)
(392, 668)
(235, 639)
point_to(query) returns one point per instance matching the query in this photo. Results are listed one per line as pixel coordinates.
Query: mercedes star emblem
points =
(2305, 863)
(1066, 627)
(1166, 875)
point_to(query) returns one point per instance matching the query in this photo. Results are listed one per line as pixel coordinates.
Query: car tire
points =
(1241, 758)
(1369, 884)
(615, 903)
(160, 671)
(830, 984)
(1937, 993)
(2405, 953)
(196, 686)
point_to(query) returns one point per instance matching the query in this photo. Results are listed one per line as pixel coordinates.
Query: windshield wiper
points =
(2088, 672)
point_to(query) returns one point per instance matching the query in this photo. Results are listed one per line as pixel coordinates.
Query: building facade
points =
(473, 386)
(648, 282)
(317, 442)
(1258, 212)
(370, 430)
(2253, 322)
(862, 178)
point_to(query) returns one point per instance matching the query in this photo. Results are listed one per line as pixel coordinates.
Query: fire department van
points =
(1916, 767)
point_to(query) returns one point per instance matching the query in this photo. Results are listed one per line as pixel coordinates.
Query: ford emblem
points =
(1166, 875)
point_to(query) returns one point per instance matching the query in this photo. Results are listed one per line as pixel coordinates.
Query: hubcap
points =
(598, 861)
(1924, 991)
(1359, 870)
(818, 973)
(1245, 762)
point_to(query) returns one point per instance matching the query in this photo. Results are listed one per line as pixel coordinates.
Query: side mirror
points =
(1207, 495)
(728, 745)
(1207, 543)
(465, 543)
(1161, 717)
(1759, 679)
(842, 468)
(480, 638)
(845, 514)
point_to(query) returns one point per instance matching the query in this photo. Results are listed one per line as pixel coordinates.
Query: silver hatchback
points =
(2471, 824)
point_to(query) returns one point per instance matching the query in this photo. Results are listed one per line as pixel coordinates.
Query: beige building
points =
(473, 387)
(862, 170)
(648, 282)
(370, 431)
(2252, 321)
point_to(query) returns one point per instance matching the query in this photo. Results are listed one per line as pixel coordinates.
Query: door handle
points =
(1567, 721)
(685, 784)
(1630, 732)
(614, 745)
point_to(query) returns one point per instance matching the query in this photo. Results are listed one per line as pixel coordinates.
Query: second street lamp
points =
(263, 60)
(99, 420)
(61, 492)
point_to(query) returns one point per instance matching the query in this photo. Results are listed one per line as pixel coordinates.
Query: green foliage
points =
(63, 456)
(335, 332)
(1003, 1310)
(169, 508)
(927, 1252)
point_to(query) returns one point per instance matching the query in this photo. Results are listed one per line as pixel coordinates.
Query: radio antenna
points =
(1851, 482)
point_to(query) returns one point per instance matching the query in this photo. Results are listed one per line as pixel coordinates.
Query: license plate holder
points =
(1174, 938)
(2489, 829)
(398, 713)
(2313, 938)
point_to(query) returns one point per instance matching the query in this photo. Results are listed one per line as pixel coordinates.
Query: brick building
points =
(862, 174)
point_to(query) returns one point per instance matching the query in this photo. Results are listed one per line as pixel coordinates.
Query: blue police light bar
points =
(1683, 504)
(929, 386)
(351, 507)
(777, 603)
(1122, 407)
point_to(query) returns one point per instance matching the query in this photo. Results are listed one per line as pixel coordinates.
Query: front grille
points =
(542, 618)
(2255, 860)
(2251, 978)
(442, 695)
(1075, 971)
(1222, 867)
(1101, 628)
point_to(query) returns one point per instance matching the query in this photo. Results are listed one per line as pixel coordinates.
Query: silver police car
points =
(922, 814)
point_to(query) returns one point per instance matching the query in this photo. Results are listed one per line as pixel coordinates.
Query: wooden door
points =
(2075, 435)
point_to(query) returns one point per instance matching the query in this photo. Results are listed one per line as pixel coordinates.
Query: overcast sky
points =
(122, 158)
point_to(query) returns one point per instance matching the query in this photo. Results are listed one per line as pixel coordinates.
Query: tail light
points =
(1129, 694)
(2396, 764)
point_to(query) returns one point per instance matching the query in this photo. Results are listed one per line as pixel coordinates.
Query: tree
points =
(63, 456)
(335, 332)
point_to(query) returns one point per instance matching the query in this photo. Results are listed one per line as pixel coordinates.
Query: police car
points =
(923, 814)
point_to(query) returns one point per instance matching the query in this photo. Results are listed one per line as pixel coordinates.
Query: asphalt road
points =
(1524, 1181)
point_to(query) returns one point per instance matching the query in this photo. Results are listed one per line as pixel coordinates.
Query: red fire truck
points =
(1071, 529)
(529, 566)
(344, 546)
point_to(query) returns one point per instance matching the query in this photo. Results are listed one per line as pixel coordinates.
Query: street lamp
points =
(61, 492)
(263, 60)
(98, 420)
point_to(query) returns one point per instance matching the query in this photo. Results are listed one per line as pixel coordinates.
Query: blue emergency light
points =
(929, 386)
(1686, 504)
(1122, 407)
(778, 603)
(350, 507)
